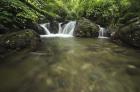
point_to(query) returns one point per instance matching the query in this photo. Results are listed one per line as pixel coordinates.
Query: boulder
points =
(20, 40)
(129, 33)
(86, 28)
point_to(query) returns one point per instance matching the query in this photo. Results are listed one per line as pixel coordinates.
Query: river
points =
(73, 65)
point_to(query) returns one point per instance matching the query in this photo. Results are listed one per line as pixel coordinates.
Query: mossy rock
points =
(86, 28)
(130, 33)
(21, 39)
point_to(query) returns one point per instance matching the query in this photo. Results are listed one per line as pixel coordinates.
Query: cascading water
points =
(45, 28)
(60, 28)
(102, 32)
(69, 28)
(66, 31)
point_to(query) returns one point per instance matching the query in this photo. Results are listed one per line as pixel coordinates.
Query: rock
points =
(3, 29)
(54, 26)
(132, 70)
(130, 34)
(64, 22)
(85, 28)
(36, 27)
(20, 40)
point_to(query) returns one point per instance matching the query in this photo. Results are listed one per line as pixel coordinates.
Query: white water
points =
(45, 28)
(60, 28)
(102, 32)
(69, 28)
(66, 31)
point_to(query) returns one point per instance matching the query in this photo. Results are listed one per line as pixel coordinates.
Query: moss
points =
(86, 28)
(20, 40)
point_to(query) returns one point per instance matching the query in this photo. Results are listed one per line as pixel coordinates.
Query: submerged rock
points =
(19, 40)
(86, 28)
(132, 70)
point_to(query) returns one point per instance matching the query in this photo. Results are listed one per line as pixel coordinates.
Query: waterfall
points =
(65, 31)
(102, 32)
(45, 28)
(69, 28)
(60, 28)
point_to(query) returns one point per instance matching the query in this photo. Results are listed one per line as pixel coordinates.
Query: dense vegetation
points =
(108, 11)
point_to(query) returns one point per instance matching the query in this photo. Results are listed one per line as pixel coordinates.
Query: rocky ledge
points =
(19, 40)
(129, 32)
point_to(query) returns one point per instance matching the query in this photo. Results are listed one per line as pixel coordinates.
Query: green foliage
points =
(106, 11)
(79, 8)
(14, 12)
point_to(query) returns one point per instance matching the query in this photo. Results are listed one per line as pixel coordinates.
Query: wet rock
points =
(129, 33)
(3, 29)
(86, 28)
(54, 26)
(19, 40)
(133, 70)
(65, 22)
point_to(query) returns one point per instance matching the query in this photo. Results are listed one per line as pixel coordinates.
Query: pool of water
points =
(72, 65)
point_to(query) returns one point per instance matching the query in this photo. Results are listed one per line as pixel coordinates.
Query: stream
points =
(73, 65)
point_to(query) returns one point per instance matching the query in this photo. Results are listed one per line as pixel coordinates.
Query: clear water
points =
(56, 35)
(72, 65)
